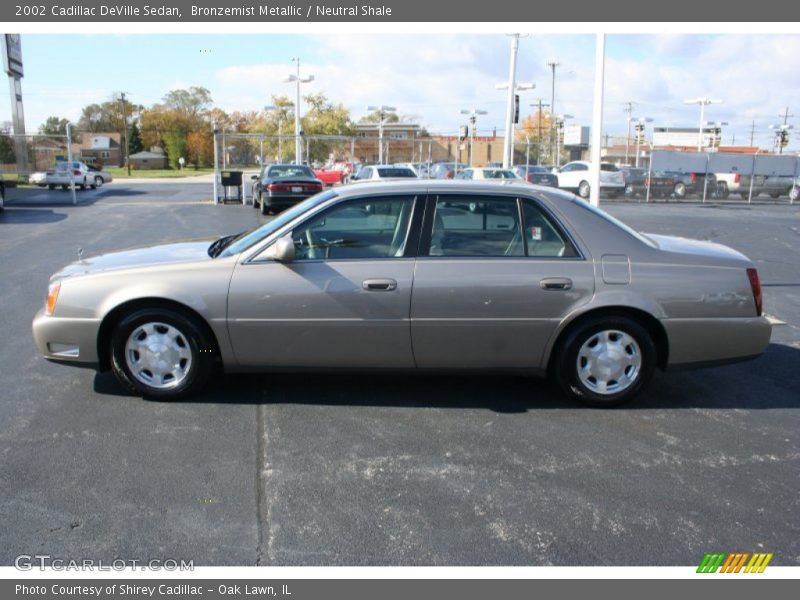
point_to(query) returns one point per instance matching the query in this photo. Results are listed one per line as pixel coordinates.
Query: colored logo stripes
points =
(735, 562)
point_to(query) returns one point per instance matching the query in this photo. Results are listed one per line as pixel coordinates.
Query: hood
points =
(710, 250)
(181, 252)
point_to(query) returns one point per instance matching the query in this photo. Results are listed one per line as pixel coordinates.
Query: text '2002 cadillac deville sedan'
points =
(412, 275)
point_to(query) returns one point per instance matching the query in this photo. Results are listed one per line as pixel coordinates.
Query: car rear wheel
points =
(98, 181)
(722, 190)
(265, 209)
(775, 195)
(584, 190)
(256, 199)
(605, 361)
(160, 353)
(680, 190)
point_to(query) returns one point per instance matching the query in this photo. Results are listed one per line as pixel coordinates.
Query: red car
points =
(334, 174)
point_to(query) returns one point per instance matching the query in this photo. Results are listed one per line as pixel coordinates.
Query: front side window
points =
(356, 229)
(476, 226)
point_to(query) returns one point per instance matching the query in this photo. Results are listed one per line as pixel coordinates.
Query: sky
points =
(429, 76)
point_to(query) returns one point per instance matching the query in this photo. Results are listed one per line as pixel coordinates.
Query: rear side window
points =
(396, 172)
(542, 237)
(480, 226)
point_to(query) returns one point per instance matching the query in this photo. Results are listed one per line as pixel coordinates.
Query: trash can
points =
(231, 182)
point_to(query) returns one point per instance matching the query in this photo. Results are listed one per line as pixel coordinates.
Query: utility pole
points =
(629, 106)
(126, 149)
(786, 115)
(540, 106)
(752, 133)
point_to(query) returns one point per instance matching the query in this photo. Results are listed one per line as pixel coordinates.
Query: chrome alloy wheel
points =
(609, 362)
(158, 355)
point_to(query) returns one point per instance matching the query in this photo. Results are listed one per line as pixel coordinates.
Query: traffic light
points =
(463, 132)
(784, 138)
(516, 108)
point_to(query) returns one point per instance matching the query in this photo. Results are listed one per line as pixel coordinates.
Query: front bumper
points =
(699, 342)
(71, 341)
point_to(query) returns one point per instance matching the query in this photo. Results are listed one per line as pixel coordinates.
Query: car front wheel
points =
(584, 189)
(160, 353)
(605, 361)
(98, 182)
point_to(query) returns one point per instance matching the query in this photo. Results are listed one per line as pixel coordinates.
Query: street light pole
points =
(473, 119)
(383, 110)
(508, 146)
(702, 101)
(553, 64)
(640, 125)
(298, 139)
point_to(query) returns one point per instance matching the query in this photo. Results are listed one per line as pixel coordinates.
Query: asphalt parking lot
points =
(388, 469)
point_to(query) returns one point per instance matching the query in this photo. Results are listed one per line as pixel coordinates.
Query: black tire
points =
(565, 361)
(197, 340)
(265, 209)
(722, 190)
(64, 187)
(98, 182)
(256, 199)
(83, 185)
(51, 186)
(679, 190)
(584, 190)
(775, 195)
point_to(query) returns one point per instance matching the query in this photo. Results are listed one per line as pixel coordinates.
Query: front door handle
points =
(556, 283)
(379, 285)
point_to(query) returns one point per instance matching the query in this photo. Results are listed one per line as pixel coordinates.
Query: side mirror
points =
(283, 249)
(254, 177)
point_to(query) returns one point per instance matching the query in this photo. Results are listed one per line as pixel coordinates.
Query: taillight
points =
(450, 174)
(76, 173)
(755, 286)
(693, 177)
(737, 177)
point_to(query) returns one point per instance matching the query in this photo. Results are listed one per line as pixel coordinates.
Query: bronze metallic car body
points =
(695, 301)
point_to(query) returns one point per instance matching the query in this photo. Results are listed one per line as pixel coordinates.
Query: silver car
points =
(407, 275)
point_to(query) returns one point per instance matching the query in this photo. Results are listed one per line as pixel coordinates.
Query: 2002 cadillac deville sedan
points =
(412, 275)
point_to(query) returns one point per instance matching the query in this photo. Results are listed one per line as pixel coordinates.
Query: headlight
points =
(52, 296)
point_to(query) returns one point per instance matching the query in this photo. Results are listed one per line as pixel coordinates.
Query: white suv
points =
(574, 177)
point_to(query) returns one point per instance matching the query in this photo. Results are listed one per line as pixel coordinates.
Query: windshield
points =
(499, 174)
(396, 172)
(290, 171)
(614, 221)
(256, 235)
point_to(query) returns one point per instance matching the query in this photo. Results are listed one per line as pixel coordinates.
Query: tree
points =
(191, 103)
(537, 128)
(7, 154)
(375, 117)
(134, 139)
(54, 126)
(323, 118)
(200, 148)
(175, 147)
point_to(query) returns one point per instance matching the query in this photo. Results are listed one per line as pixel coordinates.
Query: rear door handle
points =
(379, 285)
(556, 283)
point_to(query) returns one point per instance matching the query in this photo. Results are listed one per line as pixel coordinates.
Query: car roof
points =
(424, 186)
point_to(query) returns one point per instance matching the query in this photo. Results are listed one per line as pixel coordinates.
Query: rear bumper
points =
(700, 342)
(285, 199)
(69, 341)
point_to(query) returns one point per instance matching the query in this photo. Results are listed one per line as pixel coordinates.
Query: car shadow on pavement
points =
(13, 215)
(771, 381)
